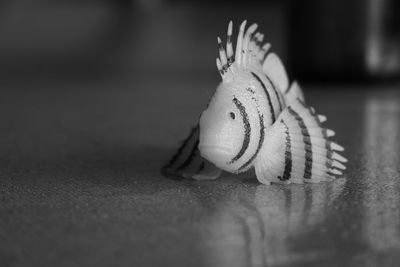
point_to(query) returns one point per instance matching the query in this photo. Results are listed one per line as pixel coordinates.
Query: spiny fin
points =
(250, 51)
(188, 163)
(274, 69)
(298, 149)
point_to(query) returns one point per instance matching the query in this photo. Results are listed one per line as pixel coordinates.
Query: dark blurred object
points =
(344, 40)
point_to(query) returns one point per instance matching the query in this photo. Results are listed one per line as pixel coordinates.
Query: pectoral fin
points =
(188, 163)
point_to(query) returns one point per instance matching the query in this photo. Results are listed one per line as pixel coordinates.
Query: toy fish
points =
(256, 119)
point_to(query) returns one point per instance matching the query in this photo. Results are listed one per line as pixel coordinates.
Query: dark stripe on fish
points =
(225, 66)
(334, 174)
(276, 92)
(329, 163)
(229, 38)
(201, 167)
(324, 133)
(288, 156)
(258, 42)
(329, 153)
(193, 132)
(268, 96)
(315, 115)
(231, 59)
(329, 159)
(220, 47)
(247, 129)
(306, 140)
(189, 160)
(260, 142)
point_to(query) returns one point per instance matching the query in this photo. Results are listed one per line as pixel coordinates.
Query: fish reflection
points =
(267, 229)
(381, 196)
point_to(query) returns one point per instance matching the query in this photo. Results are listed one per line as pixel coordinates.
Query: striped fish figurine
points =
(257, 119)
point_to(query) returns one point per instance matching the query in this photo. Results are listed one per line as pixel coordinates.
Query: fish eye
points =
(232, 115)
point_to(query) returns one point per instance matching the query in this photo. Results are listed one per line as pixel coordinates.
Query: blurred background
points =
(175, 39)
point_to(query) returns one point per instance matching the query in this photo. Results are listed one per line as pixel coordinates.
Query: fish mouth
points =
(218, 155)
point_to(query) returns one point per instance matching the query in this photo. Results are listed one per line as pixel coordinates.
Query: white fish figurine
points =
(257, 119)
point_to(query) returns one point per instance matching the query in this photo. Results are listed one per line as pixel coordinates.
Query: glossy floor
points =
(80, 184)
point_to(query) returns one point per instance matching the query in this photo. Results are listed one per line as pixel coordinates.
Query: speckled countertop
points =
(80, 184)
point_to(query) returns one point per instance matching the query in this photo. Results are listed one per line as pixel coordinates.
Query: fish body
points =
(238, 116)
(256, 119)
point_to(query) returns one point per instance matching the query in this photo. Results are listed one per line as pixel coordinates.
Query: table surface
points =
(80, 183)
